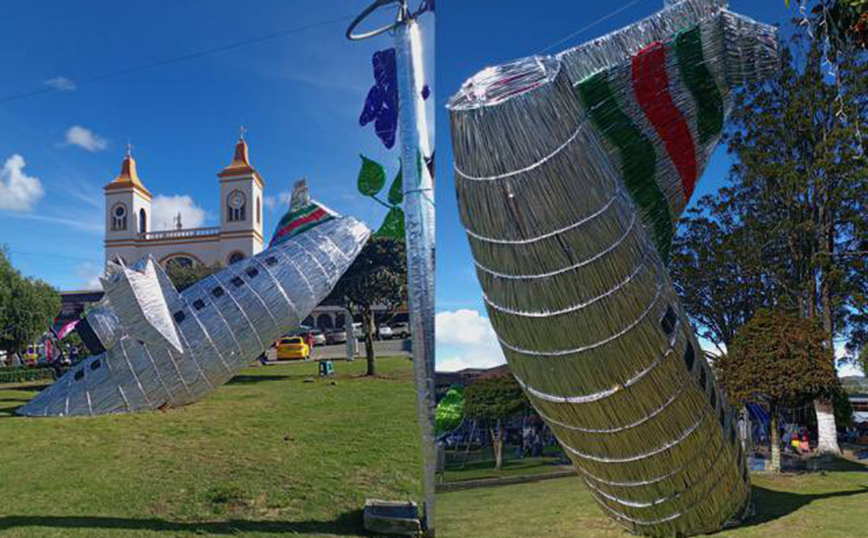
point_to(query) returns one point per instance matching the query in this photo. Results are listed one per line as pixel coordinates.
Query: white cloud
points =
(465, 339)
(281, 201)
(61, 83)
(89, 274)
(456, 363)
(164, 209)
(85, 139)
(90, 224)
(18, 191)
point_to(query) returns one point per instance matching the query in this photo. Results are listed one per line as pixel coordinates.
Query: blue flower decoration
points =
(381, 106)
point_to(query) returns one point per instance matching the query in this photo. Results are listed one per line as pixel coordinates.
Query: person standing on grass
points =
(525, 440)
(309, 340)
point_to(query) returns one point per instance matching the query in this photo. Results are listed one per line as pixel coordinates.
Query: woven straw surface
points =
(571, 172)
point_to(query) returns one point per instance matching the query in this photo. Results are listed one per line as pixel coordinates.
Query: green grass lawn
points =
(271, 453)
(833, 504)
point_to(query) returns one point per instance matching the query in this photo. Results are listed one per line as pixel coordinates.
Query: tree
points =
(781, 359)
(28, 306)
(494, 400)
(184, 276)
(717, 269)
(378, 276)
(800, 181)
(846, 21)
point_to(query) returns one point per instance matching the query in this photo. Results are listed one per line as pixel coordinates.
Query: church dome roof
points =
(128, 178)
(240, 164)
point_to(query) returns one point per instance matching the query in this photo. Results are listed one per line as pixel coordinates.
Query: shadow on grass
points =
(845, 465)
(250, 379)
(8, 412)
(771, 504)
(25, 387)
(347, 524)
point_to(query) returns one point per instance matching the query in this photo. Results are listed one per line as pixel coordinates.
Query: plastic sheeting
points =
(571, 172)
(223, 322)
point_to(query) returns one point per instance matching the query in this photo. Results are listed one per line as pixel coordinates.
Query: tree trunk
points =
(827, 429)
(368, 316)
(775, 436)
(497, 443)
(827, 442)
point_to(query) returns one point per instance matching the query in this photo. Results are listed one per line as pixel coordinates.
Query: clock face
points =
(236, 200)
(120, 211)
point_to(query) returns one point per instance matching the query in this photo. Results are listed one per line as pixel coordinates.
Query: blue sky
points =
(481, 33)
(299, 96)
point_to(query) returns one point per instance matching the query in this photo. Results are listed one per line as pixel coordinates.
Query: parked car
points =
(292, 348)
(384, 332)
(336, 336)
(401, 330)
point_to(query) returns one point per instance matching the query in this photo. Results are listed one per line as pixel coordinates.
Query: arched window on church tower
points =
(258, 211)
(143, 221)
(236, 206)
(119, 218)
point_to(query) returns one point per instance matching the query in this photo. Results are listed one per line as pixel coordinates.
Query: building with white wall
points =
(128, 234)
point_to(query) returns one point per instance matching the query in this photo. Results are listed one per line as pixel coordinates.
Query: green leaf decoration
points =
(393, 224)
(450, 411)
(372, 177)
(396, 192)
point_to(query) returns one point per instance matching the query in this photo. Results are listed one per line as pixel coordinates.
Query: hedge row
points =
(19, 375)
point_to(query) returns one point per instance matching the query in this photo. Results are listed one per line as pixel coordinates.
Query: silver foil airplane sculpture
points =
(155, 347)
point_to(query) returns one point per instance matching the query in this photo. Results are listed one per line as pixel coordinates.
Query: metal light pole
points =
(418, 220)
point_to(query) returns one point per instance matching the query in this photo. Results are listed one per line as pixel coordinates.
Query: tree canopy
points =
(378, 276)
(790, 228)
(28, 307)
(495, 398)
(717, 270)
(184, 276)
(778, 358)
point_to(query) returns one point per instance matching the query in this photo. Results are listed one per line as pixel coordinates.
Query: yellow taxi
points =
(292, 348)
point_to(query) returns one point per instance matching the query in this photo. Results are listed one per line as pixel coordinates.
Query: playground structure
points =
(571, 172)
(156, 348)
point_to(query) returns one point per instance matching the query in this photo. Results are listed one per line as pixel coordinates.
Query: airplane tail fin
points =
(304, 214)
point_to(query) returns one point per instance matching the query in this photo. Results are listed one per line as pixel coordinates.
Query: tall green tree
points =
(27, 307)
(800, 188)
(184, 276)
(780, 359)
(717, 269)
(495, 400)
(845, 21)
(378, 276)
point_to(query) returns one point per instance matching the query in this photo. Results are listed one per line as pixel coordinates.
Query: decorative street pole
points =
(419, 217)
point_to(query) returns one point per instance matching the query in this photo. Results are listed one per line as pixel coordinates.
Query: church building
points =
(128, 234)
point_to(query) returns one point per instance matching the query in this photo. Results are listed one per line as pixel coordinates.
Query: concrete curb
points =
(506, 481)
